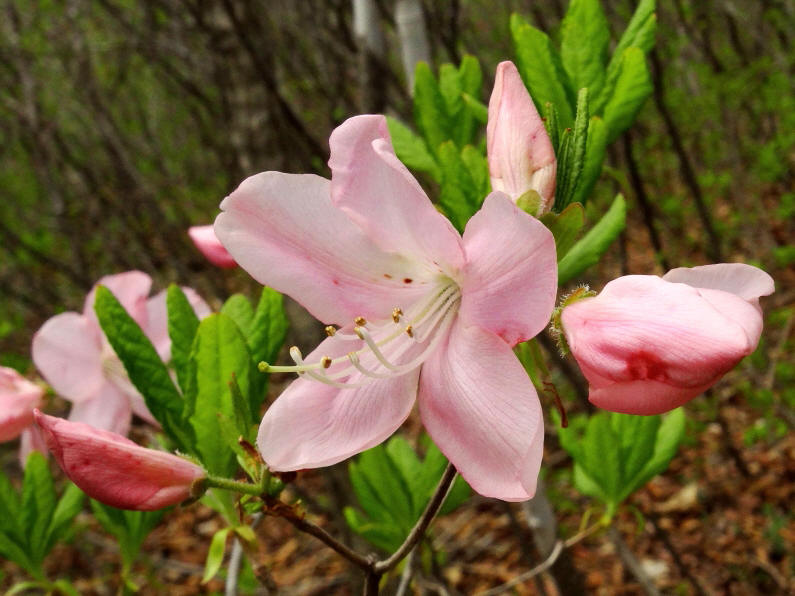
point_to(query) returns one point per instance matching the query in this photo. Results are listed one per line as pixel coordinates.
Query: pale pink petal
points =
(284, 230)
(110, 410)
(520, 153)
(138, 405)
(645, 329)
(643, 397)
(746, 281)
(18, 398)
(67, 350)
(511, 276)
(312, 425)
(370, 183)
(207, 242)
(156, 328)
(116, 471)
(481, 409)
(130, 288)
(31, 440)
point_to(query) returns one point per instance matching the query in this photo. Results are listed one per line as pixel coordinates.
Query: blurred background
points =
(122, 123)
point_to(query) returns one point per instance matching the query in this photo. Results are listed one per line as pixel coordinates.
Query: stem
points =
(631, 562)
(234, 485)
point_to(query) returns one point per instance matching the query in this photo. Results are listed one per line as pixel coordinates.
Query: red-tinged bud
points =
(114, 470)
(648, 345)
(18, 398)
(207, 242)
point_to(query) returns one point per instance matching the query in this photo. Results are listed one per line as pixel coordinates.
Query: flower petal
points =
(642, 328)
(520, 153)
(284, 230)
(370, 183)
(510, 280)
(643, 398)
(67, 351)
(156, 328)
(130, 288)
(207, 242)
(110, 410)
(481, 409)
(312, 425)
(746, 281)
(30, 440)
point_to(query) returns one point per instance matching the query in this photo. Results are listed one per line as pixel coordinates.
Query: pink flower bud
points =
(18, 398)
(114, 470)
(648, 345)
(207, 242)
(520, 153)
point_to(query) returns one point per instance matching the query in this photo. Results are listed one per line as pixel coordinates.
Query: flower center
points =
(387, 348)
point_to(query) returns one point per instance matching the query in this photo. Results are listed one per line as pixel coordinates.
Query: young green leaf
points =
(269, 327)
(565, 226)
(669, 436)
(594, 157)
(69, 505)
(541, 69)
(459, 196)
(129, 528)
(430, 110)
(215, 554)
(219, 352)
(239, 309)
(572, 158)
(387, 496)
(37, 505)
(589, 249)
(633, 85)
(585, 37)
(182, 326)
(477, 108)
(412, 149)
(143, 365)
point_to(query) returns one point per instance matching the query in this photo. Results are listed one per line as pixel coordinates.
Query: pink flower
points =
(73, 355)
(206, 241)
(424, 313)
(520, 153)
(18, 398)
(116, 471)
(648, 344)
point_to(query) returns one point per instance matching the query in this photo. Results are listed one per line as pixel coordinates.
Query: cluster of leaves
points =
(616, 454)
(393, 486)
(33, 522)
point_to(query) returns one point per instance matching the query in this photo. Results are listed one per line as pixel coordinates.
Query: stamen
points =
(360, 321)
(409, 330)
(325, 361)
(331, 330)
(396, 313)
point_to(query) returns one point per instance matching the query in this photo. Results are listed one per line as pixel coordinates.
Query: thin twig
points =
(408, 571)
(631, 562)
(236, 560)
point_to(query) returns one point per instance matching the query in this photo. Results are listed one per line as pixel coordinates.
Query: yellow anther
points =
(325, 361)
(360, 321)
(331, 330)
(410, 330)
(263, 366)
(396, 313)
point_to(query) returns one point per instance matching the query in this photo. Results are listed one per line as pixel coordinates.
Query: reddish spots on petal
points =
(336, 282)
(407, 280)
(386, 275)
(644, 365)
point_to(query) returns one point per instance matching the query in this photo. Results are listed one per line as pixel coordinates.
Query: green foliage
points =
(412, 149)
(584, 40)
(565, 226)
(182, 326)
(130, 529)
(616, 454)
(31, 523)
(143, 365)
(571, 156)
(589, 249)
(393, 486)
(465, 182)
(632, 86)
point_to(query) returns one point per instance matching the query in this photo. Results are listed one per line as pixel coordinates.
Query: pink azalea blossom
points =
(648, 345)
(74, 356)
(520, 153)
(18, 398)
(422, 313)
(114, 470)
(207, 242)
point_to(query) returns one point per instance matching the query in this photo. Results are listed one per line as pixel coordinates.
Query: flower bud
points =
(114, 470)
(18, 398)
(520, 154)
(207, 242)
(648, 344)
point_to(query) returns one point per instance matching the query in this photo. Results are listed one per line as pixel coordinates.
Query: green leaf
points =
(182, 326)
(412, 149)
(219, 352)
(129, 528)
(459, 196)
(594, 157)
(430, 111)
(589, 249)
(37, 505)
(69, 505)
(552, 124)
(585, 37)
(572, 156)
(9, 506)
(478, 169)
(602, 456)
(633, 85)
(541, 69)
(565, 226)
(381, 489)
(471, 85)
(239, 309)
(215, 554)
(669, 436)
(477, 108)
(407, 464)
(386, 536)
(143, 365)
(269, 327)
